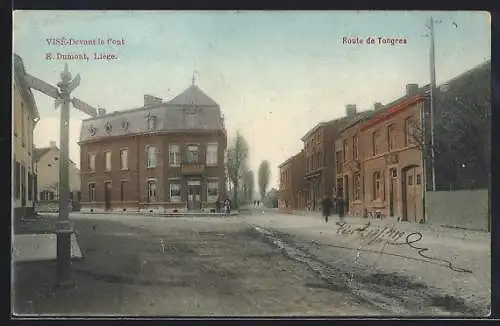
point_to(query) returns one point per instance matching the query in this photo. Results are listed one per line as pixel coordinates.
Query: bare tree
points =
(237, 156)
(264, 175)
(249, 185)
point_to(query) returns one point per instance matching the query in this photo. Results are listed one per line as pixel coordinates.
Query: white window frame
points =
(107, 167)
(174, 155)
(124, 159)
(191, 120)
(152, 191)
(151, 152)
(178, 184)
(152, 122)
(91, 162)
(189, 157)
(213, 198)
(212, 160)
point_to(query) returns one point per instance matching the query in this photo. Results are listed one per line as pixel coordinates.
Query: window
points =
(346, 148)
(23, 184)
(91, 192)
(355, 147)
(122, 190)
(212, 154)
(22, 124)
(151, 161)
(151, 190)
(357, 186)
(410, 180)
(152, 123)
(338, 161)
(390, 135)
(192, 154)
(212, 190)
(174, 155)
(376, 185)
(419, 179)
(124, 159)
(409, 131)
(107, 162)
(175, 191)
(375, 142)
(17, 181)
(191, 120)
(91, 162)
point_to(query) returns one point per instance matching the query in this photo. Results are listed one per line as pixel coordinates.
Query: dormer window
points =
(124, 124)
(152, 122)
(92, 130)
(108, 127)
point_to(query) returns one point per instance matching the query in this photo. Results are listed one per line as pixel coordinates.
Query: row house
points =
(292, 186)
(162, 157)
(381, 157)
(25, 117)
(319, 151)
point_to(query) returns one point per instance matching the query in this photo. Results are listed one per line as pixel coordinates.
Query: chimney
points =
(377, 106)
(101, 112)
(52, 144)
(151, 100)
(350, 110)
(411, 89)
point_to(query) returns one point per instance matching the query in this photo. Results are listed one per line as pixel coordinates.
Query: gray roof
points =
(171, 116)
(19, 72)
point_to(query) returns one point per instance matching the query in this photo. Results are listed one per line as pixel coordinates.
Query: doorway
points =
(107, 195)
(392, 190)
(346, 194)
(194, 195)
(411, 185)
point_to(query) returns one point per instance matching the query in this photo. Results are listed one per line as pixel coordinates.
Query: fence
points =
(462, 209)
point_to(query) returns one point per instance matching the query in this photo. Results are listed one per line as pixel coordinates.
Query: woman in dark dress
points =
(326, 206)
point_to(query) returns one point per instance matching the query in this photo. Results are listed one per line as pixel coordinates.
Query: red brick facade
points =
(129, 183)
(292, 185)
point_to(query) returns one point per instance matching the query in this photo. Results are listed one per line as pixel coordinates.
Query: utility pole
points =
(432, 61)
(64, 227)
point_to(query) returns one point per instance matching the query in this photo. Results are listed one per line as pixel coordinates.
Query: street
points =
(138, 265)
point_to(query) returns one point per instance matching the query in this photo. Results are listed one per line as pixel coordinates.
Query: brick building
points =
(292, 185)
(391, 165)
(162, 157)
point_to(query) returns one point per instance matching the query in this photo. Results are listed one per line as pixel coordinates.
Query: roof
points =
(392, 109)
(290, 159)
(360, 117)
(193, 95)
(40, 152)
(179, 114)
(19, 73)
(332, 123)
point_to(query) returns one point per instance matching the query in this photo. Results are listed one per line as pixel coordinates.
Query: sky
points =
(274, 74)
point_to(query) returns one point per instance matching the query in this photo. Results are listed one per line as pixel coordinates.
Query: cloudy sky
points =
(274, 74)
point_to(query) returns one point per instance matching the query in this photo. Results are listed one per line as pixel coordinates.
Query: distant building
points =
(161, 157)
(292, 183)
(47, 163)
(25, 114)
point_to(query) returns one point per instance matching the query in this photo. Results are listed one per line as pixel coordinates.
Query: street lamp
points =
(64, 227)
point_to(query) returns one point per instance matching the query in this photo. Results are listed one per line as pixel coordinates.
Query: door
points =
(410, 195)
(194, 194)
(346, 194)
(107, 195)
(392, 191)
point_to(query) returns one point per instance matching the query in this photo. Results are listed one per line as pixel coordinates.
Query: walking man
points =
(326, 206)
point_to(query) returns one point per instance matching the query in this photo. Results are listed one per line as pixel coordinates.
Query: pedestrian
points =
(326, 207)
(217, 205)
(227, 206)
(258, 203)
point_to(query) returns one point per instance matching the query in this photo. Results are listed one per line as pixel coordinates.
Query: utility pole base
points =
(63, 258)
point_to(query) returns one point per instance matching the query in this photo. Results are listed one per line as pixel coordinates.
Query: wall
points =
(49, 175)
(461, 208)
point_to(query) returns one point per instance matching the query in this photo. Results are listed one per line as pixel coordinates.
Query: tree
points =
(237, 157)
(264, 175)
(249, 183)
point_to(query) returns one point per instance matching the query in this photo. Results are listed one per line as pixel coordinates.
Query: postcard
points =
(251, 163)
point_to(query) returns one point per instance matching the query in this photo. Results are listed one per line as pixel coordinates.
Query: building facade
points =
(162, 157)
(292, 185)
(25, 118)
(47, 163)
(392, 159)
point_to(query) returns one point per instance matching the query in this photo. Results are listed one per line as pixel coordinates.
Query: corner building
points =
(163, 157)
